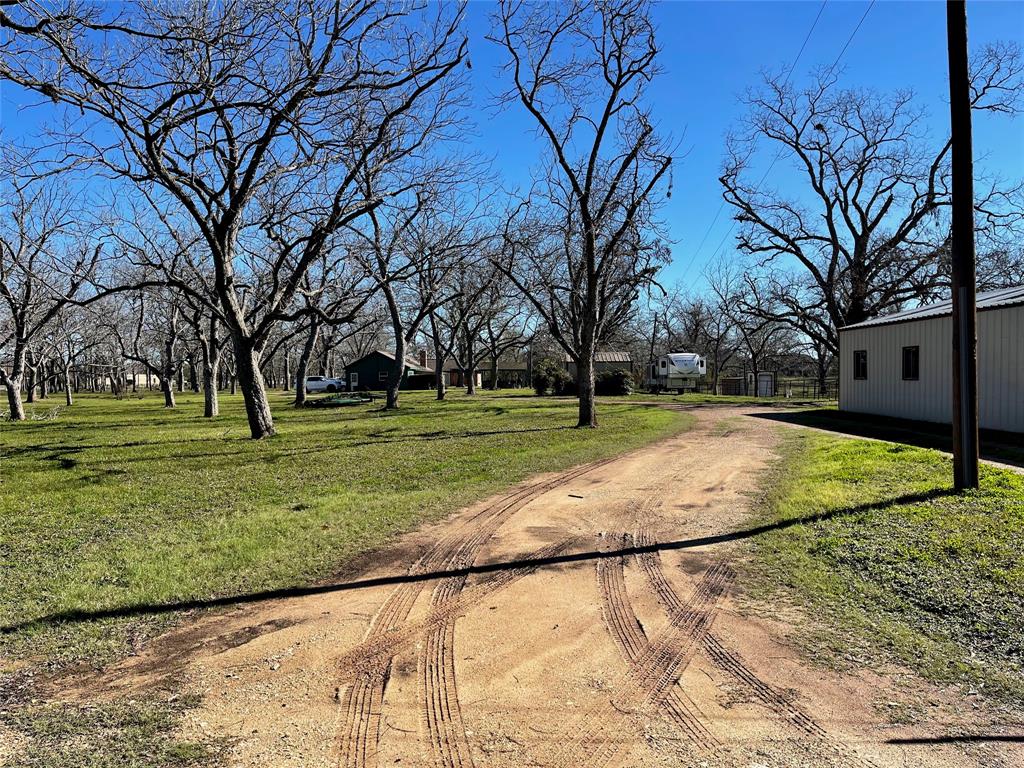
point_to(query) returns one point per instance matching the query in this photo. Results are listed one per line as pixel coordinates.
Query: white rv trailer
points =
(677, 370)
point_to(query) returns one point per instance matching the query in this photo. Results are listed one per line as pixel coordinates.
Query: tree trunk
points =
(303, 366)
(821, 364)
(14, 399)
(67, 387)
(326, 362)
(440, 386)
(494, 373)
(396, 374)
(13, 384)
(470, 371)
(585, 368)
(286, 383)
(30, 384)
(167, 387)
(181, 378)
(254, 391)
(193, 373)
(439, 383)
(585, 388)
(211, 402)
(43, 391)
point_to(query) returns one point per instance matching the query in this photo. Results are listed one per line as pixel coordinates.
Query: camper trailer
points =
(677, 370)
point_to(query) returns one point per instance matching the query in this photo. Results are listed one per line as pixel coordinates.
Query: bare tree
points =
(69, 338)
(457, 326)
(334, 297)
(46, 264)
(413, 248)
(230, 113)
(867, 236)
(759, 335)
(208, 333)
(148, 332)
(580, 246)
(1001, 268)
(370, 335)
(507, 323)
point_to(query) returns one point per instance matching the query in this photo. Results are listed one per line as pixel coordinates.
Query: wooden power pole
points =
(965, 342)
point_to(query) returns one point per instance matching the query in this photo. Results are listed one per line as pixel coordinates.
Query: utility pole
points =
(965, 341)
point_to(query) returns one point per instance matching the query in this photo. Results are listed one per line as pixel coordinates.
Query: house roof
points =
(608, 356)
(1001, 297)
(504, 364)
(412, 365)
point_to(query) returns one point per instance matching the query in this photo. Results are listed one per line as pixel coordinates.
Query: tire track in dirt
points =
(776, 701)
(595, 740)
(439, 695)
(629, 634)
(363, 697)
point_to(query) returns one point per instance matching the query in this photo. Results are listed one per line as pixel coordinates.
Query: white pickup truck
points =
(324, 384)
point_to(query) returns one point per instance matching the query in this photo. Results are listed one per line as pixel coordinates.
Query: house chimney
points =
(423, 358)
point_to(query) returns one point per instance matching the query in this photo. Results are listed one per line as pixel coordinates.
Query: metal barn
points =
(900, 365)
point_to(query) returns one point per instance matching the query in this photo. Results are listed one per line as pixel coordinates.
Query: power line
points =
(771, 165)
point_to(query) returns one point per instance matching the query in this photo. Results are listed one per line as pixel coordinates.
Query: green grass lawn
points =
(118, 504)
(897, 567)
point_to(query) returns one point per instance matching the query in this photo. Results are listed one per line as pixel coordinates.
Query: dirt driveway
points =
(588, 618)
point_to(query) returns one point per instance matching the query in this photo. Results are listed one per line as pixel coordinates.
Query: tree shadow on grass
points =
(995, 446)
(62, 454)
(152, 609)
(378, 438)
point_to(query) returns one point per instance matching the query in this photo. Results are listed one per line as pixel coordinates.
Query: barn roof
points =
(1001, 297)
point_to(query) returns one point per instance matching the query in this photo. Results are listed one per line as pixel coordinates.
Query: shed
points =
(370, 372)
(900, 365)
(604, 360)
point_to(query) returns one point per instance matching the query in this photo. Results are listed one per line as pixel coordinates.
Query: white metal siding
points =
(1000, 369)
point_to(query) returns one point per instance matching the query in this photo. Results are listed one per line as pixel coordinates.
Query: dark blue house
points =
(371, 373)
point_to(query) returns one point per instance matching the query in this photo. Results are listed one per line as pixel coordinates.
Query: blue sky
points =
(711, 52)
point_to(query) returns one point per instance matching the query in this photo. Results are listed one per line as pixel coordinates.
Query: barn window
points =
(382, 375)
(860, 364)
(664, 364)
(911, 363)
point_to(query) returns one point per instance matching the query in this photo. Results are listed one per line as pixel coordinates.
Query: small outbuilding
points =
(371, 373)
(900, 365)
(604, 360)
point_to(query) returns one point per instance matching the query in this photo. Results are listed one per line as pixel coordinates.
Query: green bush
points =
(549, 376)
(617, 382)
